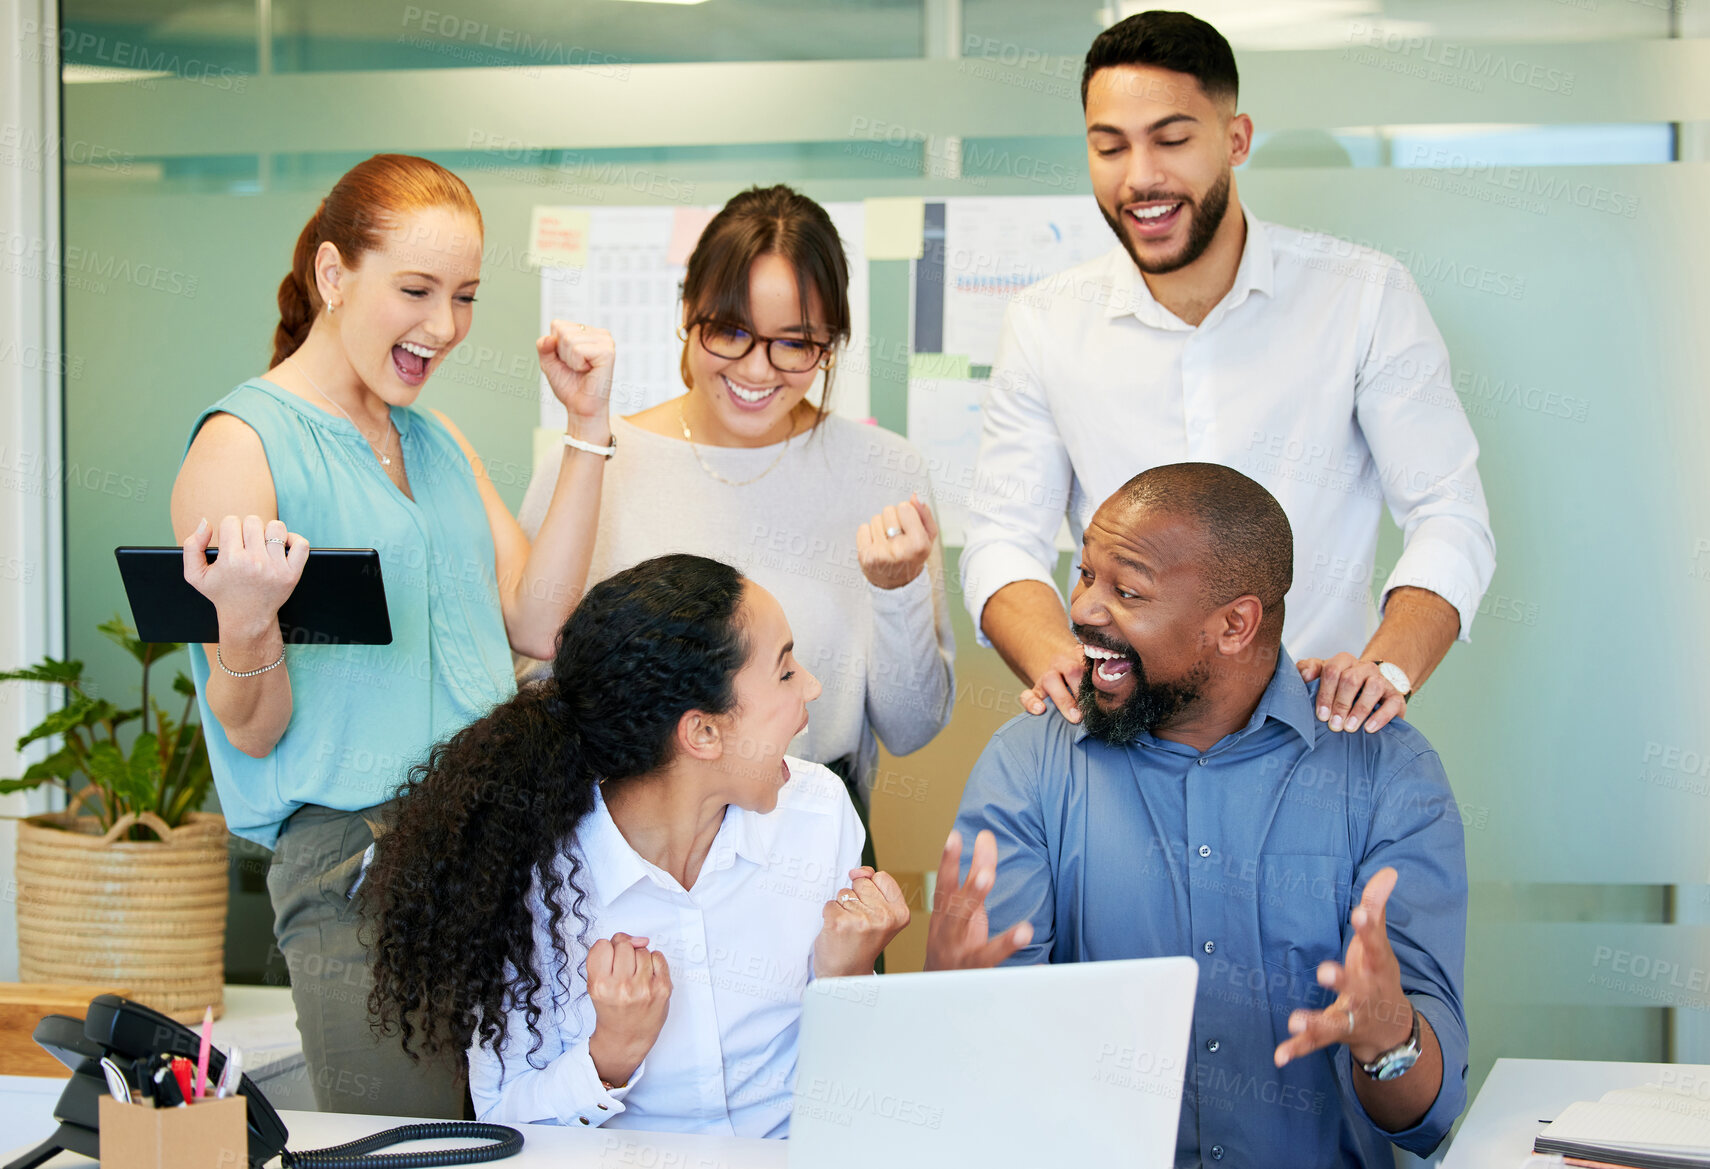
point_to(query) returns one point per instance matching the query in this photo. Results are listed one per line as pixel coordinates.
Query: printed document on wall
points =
(627, 287)
(995, 246)
(944, 426)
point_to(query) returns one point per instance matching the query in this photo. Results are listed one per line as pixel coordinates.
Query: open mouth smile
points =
(411, 361)
(1156, 219)
(1110, 668)
(750, 397)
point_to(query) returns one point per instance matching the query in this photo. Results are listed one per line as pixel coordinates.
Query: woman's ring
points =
(892, 533)
(847, 898)
(274, 540)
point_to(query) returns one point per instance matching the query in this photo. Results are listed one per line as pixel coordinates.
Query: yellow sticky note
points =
(558, 238)
(548, 444)
(896, 229)
(938, 365)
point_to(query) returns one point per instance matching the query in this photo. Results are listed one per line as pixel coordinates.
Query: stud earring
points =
(330, 307)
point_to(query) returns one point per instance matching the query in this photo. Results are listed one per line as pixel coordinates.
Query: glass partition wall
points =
(1523, 157)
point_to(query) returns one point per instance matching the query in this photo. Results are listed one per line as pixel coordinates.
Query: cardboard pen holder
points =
(209, 1134)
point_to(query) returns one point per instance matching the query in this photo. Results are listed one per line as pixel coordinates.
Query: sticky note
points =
(547, 446)
(558, 238)
(687, 223)
(896, 229)
(938, 365)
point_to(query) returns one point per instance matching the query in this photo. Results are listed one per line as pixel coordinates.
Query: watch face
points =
(1395, 1065)
(1395, 676)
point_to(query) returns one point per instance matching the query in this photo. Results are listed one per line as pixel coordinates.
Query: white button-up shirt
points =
(740, 948)
(1320, 375)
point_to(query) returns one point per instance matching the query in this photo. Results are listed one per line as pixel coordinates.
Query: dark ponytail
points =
(492, 812)
(371, 197)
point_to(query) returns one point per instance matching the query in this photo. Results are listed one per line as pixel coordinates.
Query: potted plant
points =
(127, 886)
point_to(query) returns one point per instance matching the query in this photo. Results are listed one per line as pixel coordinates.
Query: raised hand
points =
(888, 561)
(1371, 1014)
(958, 936)
(859, 924)
(258, 566)
(1352, 692)
(630, 987)
(578, 361)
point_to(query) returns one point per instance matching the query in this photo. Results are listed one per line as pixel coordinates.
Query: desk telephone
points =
(128, 1031)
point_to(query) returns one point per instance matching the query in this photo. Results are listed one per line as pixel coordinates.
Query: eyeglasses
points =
(787, 354)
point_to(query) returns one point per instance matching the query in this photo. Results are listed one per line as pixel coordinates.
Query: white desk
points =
(1502, 1122)
(543, 1145)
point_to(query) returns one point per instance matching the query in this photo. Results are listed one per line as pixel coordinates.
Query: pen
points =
(145, 1085)
(202, 1053)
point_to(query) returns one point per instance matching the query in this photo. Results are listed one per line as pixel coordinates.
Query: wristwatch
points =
(1395, 676)
(1396, 1060)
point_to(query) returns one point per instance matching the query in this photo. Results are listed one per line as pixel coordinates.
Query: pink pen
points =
(202, 1055)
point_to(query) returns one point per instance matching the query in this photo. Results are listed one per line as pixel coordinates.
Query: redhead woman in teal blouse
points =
(309, 742)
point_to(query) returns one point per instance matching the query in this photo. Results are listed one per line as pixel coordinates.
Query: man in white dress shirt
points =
(1311, 365)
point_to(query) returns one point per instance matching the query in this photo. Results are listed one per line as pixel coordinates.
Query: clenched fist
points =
(859, 924)
(630, 987)
(893, 546)
(578, 361)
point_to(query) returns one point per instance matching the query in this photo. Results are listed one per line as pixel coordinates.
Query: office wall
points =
(1568, 296)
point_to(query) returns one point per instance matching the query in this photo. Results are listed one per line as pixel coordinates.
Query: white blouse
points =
(740, 949)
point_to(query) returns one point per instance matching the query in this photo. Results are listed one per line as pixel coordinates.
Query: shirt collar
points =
(1255, 273)
(614, 867)
(1286, 699)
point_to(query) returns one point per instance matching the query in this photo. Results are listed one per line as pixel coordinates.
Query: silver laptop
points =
(1032, 1066)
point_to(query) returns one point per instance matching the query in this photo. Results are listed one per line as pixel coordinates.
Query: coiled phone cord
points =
(358, 1155)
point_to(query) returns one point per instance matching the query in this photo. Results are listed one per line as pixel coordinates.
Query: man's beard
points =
(1205, 216)
(1150, 706)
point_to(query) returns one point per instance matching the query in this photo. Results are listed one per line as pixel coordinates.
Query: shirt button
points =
(1212, 1044)
(1200, 761)
(1205, 850)
(1217, 1152)
(1211, 947)
(583, 1119)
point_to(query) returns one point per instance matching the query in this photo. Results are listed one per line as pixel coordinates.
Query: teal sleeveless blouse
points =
(362, 715)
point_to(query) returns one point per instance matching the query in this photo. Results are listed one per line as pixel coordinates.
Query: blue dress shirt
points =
(1248, 857)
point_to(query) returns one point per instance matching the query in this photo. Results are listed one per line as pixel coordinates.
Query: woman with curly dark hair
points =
(614, 888)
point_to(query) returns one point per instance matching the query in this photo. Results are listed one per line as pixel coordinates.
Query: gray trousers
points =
(315, 862)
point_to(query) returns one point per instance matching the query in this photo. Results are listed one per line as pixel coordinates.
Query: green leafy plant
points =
(165, 770)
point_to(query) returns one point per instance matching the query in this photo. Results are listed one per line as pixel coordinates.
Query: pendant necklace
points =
(385, 459)
(690, 439)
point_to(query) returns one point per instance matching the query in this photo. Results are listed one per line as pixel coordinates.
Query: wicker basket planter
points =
(148, 915)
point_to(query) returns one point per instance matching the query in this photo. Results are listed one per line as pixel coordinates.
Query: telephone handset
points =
(129, 1031)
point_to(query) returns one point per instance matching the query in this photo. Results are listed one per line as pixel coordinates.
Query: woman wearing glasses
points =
(830, 516)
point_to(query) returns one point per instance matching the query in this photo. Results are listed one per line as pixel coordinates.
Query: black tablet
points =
(340, 598)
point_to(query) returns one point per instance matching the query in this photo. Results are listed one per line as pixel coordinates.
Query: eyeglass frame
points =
(825, 360)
